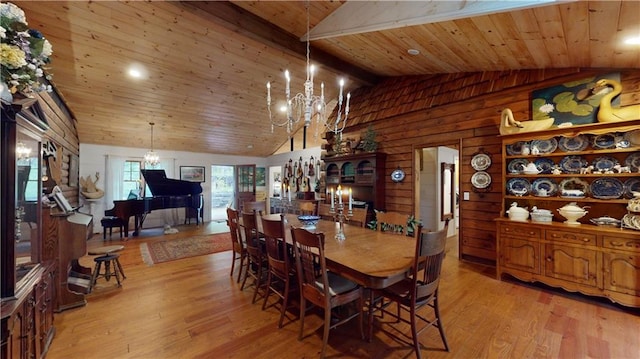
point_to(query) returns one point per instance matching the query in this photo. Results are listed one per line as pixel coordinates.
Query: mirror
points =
(28, 192)
(447, 195)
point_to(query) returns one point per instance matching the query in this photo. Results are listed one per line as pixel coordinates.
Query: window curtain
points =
(114, 178)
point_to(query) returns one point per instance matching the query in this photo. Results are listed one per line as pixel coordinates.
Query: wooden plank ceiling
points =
(207, 63)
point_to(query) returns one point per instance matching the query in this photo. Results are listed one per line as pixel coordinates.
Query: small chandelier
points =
(22, 151)
(151, 158)
(307, 105)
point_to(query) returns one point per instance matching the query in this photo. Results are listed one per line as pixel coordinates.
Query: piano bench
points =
(111, 222)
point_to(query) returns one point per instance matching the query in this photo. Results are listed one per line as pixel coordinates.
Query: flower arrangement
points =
(23, 52)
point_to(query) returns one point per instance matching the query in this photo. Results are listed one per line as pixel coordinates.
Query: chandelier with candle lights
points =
(151, 158)
(307, 106)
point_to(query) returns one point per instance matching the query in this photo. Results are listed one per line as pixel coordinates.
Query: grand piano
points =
(166, 192)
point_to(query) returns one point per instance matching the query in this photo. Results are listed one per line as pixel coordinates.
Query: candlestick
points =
(350, 199)
(289, 193)
(339, 194)
(332, 199)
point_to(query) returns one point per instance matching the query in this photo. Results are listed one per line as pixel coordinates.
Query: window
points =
(131, 179)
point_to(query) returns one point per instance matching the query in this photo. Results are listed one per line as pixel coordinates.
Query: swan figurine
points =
(606, 113)
(509, 125)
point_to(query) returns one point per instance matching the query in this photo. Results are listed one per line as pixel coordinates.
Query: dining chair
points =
(321, 287)
(257, 264)
(359, 216)
(281, 279)
(420, 288)
(238, 245)
(324, 211)
(394, 222)
(258, 206)
(307, 207)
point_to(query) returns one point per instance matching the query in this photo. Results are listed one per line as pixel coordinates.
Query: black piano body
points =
(167, 193)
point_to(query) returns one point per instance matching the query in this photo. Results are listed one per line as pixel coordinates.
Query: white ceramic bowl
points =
(572, 216)
(519, 214)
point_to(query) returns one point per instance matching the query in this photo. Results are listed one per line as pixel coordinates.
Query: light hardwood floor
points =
(191, 308)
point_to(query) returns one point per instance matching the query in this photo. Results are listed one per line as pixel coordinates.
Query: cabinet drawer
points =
(626, 244)
(571, 237)
(519, 231)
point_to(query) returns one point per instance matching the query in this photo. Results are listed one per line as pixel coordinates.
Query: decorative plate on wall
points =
(481, 162)
(481, 179)
(397, 175)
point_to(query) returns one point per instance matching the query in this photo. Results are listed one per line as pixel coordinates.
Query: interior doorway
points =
(434, 193)
(222, 191)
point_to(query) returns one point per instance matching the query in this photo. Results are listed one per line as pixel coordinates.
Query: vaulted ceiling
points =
(206, 64)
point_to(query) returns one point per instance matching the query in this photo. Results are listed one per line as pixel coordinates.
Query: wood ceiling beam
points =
(235, 18)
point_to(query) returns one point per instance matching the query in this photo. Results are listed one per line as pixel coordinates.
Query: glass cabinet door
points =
(28, 188)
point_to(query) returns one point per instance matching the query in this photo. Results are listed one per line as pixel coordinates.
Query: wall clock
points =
(397, 175)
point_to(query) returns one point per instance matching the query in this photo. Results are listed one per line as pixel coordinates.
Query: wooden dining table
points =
(370, 258)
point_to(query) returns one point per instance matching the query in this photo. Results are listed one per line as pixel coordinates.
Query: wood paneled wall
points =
(424, 111)
(63, 133)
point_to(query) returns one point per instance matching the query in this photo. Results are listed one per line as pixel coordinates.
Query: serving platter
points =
(573, 144)
(607, 188)
(515, 148)
(573, 164)
(633, 161)
(631, 185)
(573, 184)
(518, 186)
(544, 187)
(545, 146)
(608, 140)
(604, 163)
(544, 164)
(517, 165)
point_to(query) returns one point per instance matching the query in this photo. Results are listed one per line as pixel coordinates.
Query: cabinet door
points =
(576, 265)
(520, 254)
(621, 273)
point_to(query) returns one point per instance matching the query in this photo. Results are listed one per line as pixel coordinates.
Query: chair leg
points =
(266, 295)
(257, 283)
(285, 301)
(414, 332)
(242, 265)
(120, 268)
(360, 319)
(303, 308)
(246, 274)
(436, 309)
(325, 335)
(233, 262)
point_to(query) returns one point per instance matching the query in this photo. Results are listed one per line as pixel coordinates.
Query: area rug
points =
(172, 249)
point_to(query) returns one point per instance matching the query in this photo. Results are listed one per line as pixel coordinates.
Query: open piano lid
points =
(160, 185)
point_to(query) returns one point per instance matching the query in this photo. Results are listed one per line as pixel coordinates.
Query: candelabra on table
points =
(340, 216)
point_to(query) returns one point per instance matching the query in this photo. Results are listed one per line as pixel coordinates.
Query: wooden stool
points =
(112, 267)
(111, 222)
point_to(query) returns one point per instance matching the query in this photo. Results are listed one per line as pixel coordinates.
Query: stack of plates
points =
(631, 221)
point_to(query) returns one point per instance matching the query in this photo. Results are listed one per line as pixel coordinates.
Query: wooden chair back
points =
(258, 206)
(276, 247)
(324, 211)
(251, 235)
(394, 222)
(233, 218)
(320, 287)
(307, 207)
(359, 217)
(429, 254)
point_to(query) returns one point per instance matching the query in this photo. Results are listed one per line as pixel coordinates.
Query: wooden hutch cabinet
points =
(363, 173)
(28, 282)
(594, 260)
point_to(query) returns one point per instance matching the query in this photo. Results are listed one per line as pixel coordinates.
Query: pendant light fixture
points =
(151, 158)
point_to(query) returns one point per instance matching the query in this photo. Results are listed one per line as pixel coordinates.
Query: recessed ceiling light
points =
(413, 52)
(634, 40)
(137, 71)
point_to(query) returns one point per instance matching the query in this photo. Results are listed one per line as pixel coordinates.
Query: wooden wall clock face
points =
(397, 175)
